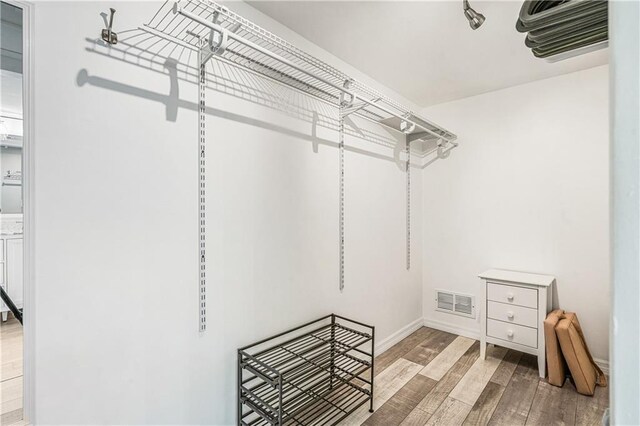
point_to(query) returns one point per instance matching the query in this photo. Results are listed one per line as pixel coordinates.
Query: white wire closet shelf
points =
(212, 31)
(221, 33)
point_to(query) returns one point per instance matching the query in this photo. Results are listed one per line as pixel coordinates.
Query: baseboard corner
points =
(603, 364)
(396, 337)
(454, 329)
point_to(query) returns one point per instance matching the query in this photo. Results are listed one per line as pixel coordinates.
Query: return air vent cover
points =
(455, 303)
(445, 301)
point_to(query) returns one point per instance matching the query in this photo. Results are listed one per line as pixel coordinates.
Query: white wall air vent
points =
(456, 303)
(445, 301)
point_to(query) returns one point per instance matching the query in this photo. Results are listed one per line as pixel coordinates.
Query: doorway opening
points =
(12, 132)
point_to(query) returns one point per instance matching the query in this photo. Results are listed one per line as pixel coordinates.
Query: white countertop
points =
(10, 235)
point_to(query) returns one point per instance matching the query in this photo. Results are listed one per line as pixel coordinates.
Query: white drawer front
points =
(513, 295)
(512, 314)
(513, 333)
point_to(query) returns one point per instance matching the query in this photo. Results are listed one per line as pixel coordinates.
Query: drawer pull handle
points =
(510, 315)
(510, 333)
(510, 297)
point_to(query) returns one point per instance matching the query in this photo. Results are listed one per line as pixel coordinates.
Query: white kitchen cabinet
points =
(15, 270)
(12, 271)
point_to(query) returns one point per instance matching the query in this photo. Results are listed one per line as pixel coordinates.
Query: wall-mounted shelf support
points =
(203, 57)
(213, 45)
(408, 172)
(346, 108)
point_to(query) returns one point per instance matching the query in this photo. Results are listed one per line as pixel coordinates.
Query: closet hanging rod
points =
(225, 32)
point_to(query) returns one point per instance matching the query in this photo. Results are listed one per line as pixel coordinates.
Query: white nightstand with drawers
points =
(513, 308)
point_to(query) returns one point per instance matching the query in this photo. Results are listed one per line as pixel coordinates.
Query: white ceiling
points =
(425, 50)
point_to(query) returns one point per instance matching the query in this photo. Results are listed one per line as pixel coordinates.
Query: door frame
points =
(28, 196)
(624, 160)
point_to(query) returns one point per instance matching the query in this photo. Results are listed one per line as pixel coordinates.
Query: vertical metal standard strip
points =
(201, 188)
(341, 130)
(408, 171)
(373, 366)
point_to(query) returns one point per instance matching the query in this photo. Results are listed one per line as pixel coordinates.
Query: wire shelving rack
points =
(314, 374)
(214, 31)
(234, 39)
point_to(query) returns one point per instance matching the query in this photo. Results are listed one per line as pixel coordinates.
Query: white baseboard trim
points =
(603, 364)
(398, 336)
(475, 334)
(454, 329)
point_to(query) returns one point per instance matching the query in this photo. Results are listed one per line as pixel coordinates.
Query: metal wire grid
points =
(314, 384)
(315, 378)
(146, 50)
(185, 31)
(188, 31)
(332, 408)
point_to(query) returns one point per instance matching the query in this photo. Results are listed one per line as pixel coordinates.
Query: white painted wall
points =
(116, 234)
(116, 259)
(528, 190)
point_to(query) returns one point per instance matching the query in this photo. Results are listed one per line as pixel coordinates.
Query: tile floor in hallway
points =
(10, 372)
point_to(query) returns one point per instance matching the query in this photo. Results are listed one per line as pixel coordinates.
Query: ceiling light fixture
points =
(475, 19)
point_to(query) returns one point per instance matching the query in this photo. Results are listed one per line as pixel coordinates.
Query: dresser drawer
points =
(513, 333)
(513, 295)
(512, 314)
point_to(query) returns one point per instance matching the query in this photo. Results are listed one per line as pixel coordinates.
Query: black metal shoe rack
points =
(315, 374)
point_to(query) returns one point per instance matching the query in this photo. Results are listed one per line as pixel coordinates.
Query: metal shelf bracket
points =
(407, 127)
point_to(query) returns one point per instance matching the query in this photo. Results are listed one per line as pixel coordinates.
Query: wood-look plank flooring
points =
(10, 372)
(438, 378)
(458, 389)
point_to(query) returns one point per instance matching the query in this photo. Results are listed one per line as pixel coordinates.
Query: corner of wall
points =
(398, 336)
(471, 333)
